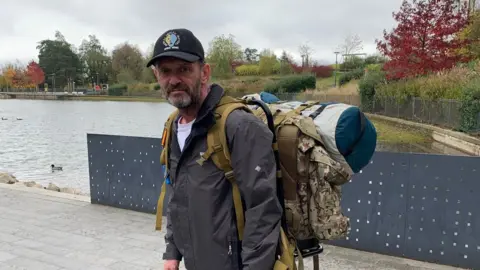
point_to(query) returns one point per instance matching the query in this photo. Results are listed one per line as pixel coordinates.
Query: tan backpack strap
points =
(166, 137)
(218, 151)
(221, 158)
(158, 222)
(164, 160)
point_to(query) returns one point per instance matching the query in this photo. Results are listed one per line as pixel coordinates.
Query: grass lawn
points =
(326, 83)
(391, 133)
(326, 86)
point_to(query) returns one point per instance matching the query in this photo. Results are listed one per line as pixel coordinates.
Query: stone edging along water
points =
(6, 178)
(454, 139)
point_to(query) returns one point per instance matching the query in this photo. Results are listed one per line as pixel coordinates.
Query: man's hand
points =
(170, 265)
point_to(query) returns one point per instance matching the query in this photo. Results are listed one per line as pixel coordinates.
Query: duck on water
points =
(54, 168)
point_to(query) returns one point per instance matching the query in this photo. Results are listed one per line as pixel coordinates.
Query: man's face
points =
(180, 81)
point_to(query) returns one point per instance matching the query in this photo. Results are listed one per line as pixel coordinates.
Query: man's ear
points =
(206, 71)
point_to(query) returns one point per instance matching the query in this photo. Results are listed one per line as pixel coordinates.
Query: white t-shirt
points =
(182, 133)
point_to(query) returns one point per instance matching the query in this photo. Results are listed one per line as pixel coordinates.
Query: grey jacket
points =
(201, 226)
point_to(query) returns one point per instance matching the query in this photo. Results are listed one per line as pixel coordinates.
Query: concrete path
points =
(42, 229)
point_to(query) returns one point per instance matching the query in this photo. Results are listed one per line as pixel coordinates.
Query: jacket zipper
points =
(229, 248)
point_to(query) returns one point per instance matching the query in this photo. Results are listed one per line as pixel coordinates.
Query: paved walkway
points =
(42, 229)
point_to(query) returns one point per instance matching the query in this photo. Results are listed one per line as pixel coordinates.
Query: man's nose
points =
(174, 80)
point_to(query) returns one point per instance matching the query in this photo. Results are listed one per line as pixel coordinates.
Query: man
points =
(201, 225)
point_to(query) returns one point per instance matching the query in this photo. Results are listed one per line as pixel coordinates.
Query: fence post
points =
(413, 108)
(398, 108)
(477, 128)
(450, 113)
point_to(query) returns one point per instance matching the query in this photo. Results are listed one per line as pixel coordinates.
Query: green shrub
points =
(139, 89)
(344, 78)
(357, 73)
(367, 86)
(292, 84)
(247, 70)
(440, 85)
(351, 75)
(117, 89)
(374, 67)
(470, 107)
(156, 86)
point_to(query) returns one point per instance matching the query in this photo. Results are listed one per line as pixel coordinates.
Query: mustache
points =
(177, 87)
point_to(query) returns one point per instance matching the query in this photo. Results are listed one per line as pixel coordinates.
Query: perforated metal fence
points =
(418, 206)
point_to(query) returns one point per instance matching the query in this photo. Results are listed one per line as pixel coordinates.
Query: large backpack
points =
(310, 180)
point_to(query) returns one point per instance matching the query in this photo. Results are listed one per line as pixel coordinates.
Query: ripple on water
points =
(54, 132)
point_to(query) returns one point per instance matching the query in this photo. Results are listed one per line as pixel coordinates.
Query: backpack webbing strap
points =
(164, 160)
(158, 223)
(218, 150)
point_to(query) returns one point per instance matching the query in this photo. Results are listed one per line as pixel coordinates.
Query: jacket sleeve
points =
(254, 166)
(171, 251)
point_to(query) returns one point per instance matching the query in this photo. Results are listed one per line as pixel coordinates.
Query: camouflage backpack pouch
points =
(312, 182)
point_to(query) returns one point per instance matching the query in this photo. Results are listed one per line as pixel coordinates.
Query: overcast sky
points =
(274, 24)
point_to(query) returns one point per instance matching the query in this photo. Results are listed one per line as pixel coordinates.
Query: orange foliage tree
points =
(35, 74)
(8, 75)
(20, 80)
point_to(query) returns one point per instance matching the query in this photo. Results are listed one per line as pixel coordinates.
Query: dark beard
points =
(193, 94)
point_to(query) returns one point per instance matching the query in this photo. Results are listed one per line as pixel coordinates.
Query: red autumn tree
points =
(423, 40)
(35, 73)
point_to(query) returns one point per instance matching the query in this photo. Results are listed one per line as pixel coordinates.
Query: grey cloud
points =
(259, 24)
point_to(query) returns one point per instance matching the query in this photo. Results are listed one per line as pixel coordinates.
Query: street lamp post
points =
(53, 82)
(336, 68)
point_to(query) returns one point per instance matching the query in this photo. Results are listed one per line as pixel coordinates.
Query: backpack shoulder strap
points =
(166, 137)
(167, 130)
(218, 151)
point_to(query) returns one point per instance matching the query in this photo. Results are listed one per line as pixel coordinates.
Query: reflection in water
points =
(54, 132)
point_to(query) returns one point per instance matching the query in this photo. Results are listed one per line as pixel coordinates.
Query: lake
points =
(55, 132)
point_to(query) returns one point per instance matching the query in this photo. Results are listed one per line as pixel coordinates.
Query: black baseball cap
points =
(179, 43)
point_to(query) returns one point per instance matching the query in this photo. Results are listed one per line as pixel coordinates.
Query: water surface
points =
(55, 132)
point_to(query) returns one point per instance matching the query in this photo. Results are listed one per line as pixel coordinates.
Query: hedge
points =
(367, 86)
(351, 75)
(247, 70)
(470, 108)
(292, 84)
(117, 90)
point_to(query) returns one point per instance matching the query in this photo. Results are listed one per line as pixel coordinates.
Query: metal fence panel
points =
(125, 172)
(443, 213)
(444, 113)
(375, 202)
(418, 206)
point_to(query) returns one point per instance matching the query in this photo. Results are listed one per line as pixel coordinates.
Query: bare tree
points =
(351, 44)
(305, 52)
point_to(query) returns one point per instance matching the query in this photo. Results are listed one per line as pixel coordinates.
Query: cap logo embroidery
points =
(171, 41)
